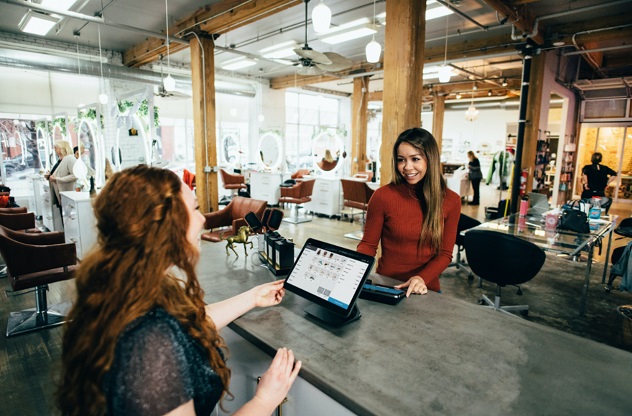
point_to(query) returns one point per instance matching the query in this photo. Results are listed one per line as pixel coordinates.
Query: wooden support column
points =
(534, 106)
(359, 124)
(438, 111)
(203, 82)
(403, 69)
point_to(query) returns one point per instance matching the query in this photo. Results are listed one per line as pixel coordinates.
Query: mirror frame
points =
(279, 144)
(339, 148)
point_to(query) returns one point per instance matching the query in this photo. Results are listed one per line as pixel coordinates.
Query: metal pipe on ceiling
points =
(460, 13)
(92, 19)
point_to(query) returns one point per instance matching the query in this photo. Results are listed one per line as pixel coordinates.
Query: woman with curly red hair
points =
(140, 339)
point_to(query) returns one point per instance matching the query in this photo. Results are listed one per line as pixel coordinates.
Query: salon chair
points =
(624, 229)
(228, 220)
(356, 194)
(299, 193)
(300, 173)
(465, 223)
(233, 182)
(504, 260)
(18, 220)
(33, 262)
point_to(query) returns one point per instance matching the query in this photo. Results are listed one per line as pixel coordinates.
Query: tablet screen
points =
(329, 276)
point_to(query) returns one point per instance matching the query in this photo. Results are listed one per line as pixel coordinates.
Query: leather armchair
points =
(34, 261)
(18, 220)
(229, 219)
(356, 194)
(234, 182)
(297, 194)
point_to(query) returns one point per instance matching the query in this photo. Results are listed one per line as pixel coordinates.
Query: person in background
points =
(328, 162)
(415, 217)
(596, 177)
(476, 175)
(140, 339)
(61, 178)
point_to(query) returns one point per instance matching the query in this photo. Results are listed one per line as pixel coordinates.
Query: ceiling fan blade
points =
(338, 62)
(315, 56)
(309, 71)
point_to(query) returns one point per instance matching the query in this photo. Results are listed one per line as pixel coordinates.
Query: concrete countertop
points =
(430, 354)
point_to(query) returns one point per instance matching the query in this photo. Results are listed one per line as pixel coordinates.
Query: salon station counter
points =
(430, 354)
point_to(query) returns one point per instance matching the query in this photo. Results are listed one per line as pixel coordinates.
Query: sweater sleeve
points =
(373, 225)
(433, 269)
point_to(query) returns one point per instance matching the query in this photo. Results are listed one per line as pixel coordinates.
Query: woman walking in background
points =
(475, 175)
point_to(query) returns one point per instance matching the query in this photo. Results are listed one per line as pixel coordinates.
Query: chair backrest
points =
(300, 173)
(15, 210)
(306, 187)
(240, 206)
(231, 179)
(465, 223)
(356, 194)
(18, 221)
(501, 258)
(624, 228)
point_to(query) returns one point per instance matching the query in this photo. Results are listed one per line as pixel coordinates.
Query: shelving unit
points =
(567, 173)
(542, 157)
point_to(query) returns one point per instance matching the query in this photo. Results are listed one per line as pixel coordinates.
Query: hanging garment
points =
(501, 165)
(623, 268)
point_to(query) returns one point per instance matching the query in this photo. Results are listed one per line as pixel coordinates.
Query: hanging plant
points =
(91, 114)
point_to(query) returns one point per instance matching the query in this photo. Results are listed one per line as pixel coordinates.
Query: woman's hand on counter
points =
(268, 294)
(415, 285)
(273, 385)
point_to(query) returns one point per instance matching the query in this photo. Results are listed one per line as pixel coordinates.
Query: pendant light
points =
(373, 48)
(321, 17)
(169, 83)
(103, 97)
(472, 113)
(445, 72)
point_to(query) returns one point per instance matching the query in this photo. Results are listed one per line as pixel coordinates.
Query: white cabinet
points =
(265, 186)
(79, 221)
(248, 362)
(325, 197)
(51, 216)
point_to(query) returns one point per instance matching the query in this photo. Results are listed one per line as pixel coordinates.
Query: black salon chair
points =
(465, 223)
(502, 259)
(624, 229)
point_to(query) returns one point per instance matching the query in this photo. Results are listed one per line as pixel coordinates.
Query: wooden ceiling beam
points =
(217, 18)
(297, 81)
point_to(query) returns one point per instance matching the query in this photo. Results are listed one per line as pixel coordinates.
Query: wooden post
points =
(403, 69)
(203, 82)
(534, 106)
(438, 111)
(359, 124)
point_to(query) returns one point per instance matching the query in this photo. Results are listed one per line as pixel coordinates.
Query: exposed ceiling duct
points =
(38, 62)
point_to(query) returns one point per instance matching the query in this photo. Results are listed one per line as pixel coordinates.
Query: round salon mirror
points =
(87, 144)
(230, 148)
(327, 150)
(270, 150)
(43, 150)
(131, 142)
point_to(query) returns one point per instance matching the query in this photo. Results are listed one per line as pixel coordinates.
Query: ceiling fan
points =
(160, 91)
(315, 63)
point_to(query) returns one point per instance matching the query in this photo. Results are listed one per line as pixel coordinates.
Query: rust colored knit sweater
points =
(394, 217)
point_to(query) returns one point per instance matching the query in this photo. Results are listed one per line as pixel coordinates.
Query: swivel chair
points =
(356, 194)
(299, 193)
(624, 229)
(465, 223)
(502, 259)
(233, 182)
(34, 261)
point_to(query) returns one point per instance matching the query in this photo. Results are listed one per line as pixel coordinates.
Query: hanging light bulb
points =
(373, 49)
(458, 95)
(169, 83)
(472, 113)
(445, 72)
(504, 84)
(103, 97)
(489, 93)
(321, 17)
(261, 118)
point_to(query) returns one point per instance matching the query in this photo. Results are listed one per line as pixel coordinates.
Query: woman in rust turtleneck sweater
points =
(415, 217)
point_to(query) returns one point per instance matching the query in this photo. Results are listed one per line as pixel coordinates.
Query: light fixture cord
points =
(100, 58)
(167, 32)
(445, 56)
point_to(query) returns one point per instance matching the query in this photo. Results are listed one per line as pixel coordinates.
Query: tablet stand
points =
(332, 318)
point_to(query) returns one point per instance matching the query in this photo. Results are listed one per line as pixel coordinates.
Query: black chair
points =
(624, 229)
(465, 223)
(502, 259)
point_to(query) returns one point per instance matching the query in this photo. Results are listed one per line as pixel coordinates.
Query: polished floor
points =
(29, 363)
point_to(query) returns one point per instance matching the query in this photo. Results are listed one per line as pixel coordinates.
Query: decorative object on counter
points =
(241, 238)
(276, 252)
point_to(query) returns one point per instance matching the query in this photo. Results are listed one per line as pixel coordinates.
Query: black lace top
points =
(157, 367)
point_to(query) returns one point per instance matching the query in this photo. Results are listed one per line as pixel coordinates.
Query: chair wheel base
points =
(29, 320)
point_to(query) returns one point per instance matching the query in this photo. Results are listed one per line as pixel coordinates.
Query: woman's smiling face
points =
(410, 163)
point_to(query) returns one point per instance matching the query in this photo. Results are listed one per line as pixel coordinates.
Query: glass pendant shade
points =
(103, 98)
(445, 72)
(373, 51)
(321, 18)
(472, 113)
(169, 83)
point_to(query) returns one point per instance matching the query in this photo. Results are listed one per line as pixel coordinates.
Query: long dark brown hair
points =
(142, 222)
(430, 190)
